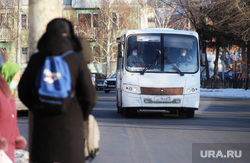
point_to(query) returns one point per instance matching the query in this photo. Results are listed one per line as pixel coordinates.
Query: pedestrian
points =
(58, 137)
(10, 138)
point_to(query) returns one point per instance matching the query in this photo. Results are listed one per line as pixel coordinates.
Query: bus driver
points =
(134, 60)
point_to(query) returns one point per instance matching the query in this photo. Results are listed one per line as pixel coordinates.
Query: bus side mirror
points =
(203, 59)
(120, 53)
(118, 39)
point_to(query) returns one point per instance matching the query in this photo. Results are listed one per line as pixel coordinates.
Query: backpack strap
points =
(67, 53)
(63, 55)
(72, 92)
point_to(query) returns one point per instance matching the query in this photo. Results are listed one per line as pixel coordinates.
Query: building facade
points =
(88, 20)
(14, 30)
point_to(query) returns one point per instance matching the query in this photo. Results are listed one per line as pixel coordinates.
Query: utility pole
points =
(41, 12)
(18, 49)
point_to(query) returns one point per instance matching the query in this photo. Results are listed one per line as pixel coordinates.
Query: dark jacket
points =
(135, 61)
(58, 138)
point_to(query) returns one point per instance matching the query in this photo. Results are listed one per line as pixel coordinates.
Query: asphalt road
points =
(156, 137)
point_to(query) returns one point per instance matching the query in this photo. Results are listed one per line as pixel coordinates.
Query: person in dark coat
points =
(59, 138)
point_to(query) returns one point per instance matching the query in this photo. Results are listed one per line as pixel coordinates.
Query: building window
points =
(24, 21)
(6, 20)
(24, 55)
(87, 20)
(95, 20)
(84, 21)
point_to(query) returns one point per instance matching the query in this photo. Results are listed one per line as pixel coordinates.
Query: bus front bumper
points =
(161, 102)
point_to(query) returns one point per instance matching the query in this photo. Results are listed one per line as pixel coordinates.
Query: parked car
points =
(110, 83)
(98, 80)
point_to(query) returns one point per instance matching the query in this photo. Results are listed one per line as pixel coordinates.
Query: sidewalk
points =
(20, 105)
(225, 93)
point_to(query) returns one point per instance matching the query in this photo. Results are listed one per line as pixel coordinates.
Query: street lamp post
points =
(18, 53)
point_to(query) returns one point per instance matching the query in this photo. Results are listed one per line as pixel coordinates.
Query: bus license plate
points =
(161, 99)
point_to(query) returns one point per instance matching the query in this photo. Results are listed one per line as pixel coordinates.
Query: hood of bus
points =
(155, 80)
(158, 81)
(161, 80)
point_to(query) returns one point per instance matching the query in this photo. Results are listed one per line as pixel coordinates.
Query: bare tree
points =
(191, 15)
(113, 20)
(233, 18)
(161, 14)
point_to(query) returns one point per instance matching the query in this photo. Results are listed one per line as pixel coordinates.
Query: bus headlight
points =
(192, 90)
(131, 88)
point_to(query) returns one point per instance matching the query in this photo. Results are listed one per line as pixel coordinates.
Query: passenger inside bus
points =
(134, 59)
(186, 61)
(184, 58)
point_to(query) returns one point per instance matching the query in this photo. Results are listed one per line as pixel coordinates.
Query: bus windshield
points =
(170, 53)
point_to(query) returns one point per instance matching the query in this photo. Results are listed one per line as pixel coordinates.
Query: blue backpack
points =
(53, 84)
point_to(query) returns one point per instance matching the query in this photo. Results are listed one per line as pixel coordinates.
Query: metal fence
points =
(227, 83)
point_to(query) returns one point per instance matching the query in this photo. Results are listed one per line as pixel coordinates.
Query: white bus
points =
(165, 78)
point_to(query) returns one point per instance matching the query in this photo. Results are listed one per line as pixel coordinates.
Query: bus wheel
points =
(173, 112)
(129, 113)
(181, 113)
(190, 113)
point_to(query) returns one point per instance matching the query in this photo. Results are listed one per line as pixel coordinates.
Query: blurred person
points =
(184, 58)
(91, 129)
(60, 137)
(134, 60)
(10, 138)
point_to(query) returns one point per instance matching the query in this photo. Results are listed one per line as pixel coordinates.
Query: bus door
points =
(119, 72)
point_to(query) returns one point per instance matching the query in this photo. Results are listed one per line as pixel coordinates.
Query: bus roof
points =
(160, 31)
